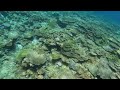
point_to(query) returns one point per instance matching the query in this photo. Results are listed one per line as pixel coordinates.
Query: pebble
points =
(19, 46)
(23, 73)
(92, 53)
(59, 63)
(57, 39)
(29, 72)
(40, 77)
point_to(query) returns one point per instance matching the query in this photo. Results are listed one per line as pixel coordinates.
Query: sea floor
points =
(58, 45)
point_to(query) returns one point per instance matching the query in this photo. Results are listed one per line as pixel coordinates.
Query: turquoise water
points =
(60, 45)
(113, 16)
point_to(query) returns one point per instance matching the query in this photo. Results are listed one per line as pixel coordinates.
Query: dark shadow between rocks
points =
(61, 24)
(34, 68)
(98, 77)
(50, 47)
(11, 47)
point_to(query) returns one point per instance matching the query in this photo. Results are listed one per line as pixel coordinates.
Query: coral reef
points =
(58, 45)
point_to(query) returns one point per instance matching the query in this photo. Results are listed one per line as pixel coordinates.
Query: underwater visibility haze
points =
(59, 45)
(113, 16)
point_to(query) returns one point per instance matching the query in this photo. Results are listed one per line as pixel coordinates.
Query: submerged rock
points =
(72, 50)
(13, 34)
(35, 58)
(100, 70)
(92, 53)
(8, 70)
(55, 55)
(108, 48)
(62, 72)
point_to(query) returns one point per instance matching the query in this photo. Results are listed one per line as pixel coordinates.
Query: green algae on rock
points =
(72, 50)
(29, 57)
(36, 59)
(55, 55)
(22, 54)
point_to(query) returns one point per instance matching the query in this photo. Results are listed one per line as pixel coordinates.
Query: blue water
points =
(112, 16)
